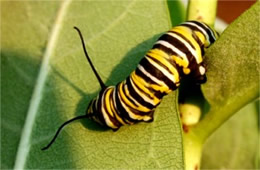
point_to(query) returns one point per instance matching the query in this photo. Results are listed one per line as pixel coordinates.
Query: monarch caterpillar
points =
(177, 53)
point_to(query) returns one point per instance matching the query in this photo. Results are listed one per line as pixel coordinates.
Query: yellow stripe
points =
(115, 113)
(108, 122)
(162, 87)
(141, 94)
(139, 82)
(114, 110)
(154, 54)
(160, 53)
(122, 95)
(186, 32)
(104, 113)
(107, 101)
(202, 38)
(179, 61)
(140, 106)
(129, 112)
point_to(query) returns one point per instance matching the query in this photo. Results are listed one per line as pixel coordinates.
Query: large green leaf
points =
(233, 71)
(117, 36)
(23, 38)
(233, 81)
(235, 143)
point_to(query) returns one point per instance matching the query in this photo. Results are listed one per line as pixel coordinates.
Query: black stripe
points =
(169, 52)
(127, 96)
(97, 110)
(136, 96)
(178, 44)
(145, 77)
(165, 49)
(207, 29)
(147, 95)
(165, 67)
(121, 111)
(159, 63)
(115, 107)
(156, 73)
(112, 119)
(135, 111)
(179, 69)
(193, 28)
(158, 94)
(184, 38)
(196, 38)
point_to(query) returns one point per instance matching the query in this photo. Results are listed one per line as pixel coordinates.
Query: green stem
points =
(202, 10)
(218, 115)
(176, 12)
(205, 11)
(192, 151)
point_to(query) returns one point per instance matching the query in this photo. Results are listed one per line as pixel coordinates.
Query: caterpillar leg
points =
(114, 130)
(149, 118)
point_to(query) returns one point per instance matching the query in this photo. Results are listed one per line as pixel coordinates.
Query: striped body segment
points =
(177, 53)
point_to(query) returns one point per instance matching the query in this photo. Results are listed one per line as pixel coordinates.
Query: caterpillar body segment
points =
(177, 53)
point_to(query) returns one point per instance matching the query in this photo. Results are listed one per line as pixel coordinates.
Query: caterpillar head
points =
(198, 74)
(92, 111)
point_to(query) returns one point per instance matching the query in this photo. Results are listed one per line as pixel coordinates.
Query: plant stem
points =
(216, 117)
(205, 11)
(192, 151)
(202, 10)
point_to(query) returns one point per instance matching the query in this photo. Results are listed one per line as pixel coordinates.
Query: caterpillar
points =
(177, 53)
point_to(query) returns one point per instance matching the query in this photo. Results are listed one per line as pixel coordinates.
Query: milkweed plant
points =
(45, 80)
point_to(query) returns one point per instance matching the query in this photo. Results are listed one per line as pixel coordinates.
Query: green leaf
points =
(235, 143)
(23, 38)
(233, 80)
(117, 35)
(233, 71)
(177, 12)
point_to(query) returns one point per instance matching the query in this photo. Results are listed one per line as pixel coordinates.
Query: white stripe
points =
(135, 101)
(187, 44)
(114, 98)
(210, 30)
(132, 114)
(129, 112)
(124, 120)
(141, 94)
(103, 111)
(200, 28)
(163, 70)
(159, 82)
(116, 109)
(176, 50)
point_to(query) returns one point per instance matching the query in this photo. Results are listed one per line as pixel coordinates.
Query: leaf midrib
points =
(24, 145)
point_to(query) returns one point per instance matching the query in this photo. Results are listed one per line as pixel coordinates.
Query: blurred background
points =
(229, 10)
